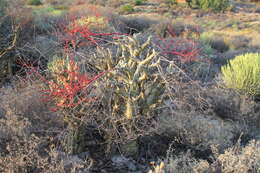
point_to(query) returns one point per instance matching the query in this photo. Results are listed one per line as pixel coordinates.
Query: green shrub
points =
(127, 8)
(243, 73)
(138, 2)
(216, 5)
(34, 2)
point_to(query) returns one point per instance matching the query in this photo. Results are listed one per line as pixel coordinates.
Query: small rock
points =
(119, 160)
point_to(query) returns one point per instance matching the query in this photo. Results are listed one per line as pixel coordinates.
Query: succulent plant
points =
(243, 73)
(132, 75)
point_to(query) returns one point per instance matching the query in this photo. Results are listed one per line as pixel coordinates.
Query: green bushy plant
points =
(138, 2)
(216, 5)
(34, 2)
(243, 73)
(127, 8)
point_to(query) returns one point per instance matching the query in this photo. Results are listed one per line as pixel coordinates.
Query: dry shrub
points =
(200, 131)
(107, 3)
(248, 158)
(177, 29)
(182, 163)
(219, 44)
(16, 32)
(30, 134)
(25, 155)
(184, 93)
(179, 50)
(238, 42)
(237, 159)
(132, 24)
(216, 41)
(89, 10)
(11, 125)
(228, 104)
(67, 91)
(58, 2)
(254, 43)
(91, 26)
(194, 112)
(188, 95)
(203, 70)
(116, 3)
(27, 103)
(46, 46)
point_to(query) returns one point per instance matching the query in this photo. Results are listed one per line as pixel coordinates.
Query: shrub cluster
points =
(216, 5)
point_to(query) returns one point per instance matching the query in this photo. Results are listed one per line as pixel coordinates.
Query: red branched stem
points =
(70, 91)
(185, 49)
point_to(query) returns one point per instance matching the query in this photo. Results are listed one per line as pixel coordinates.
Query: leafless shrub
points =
(238, 42)
(178, 29)
(27, 103)
(24, 156)
(198, 130)
(248, 158)
(237, 159)
(183, 163)
(131, 25)
(87, 9)
(29, 134)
